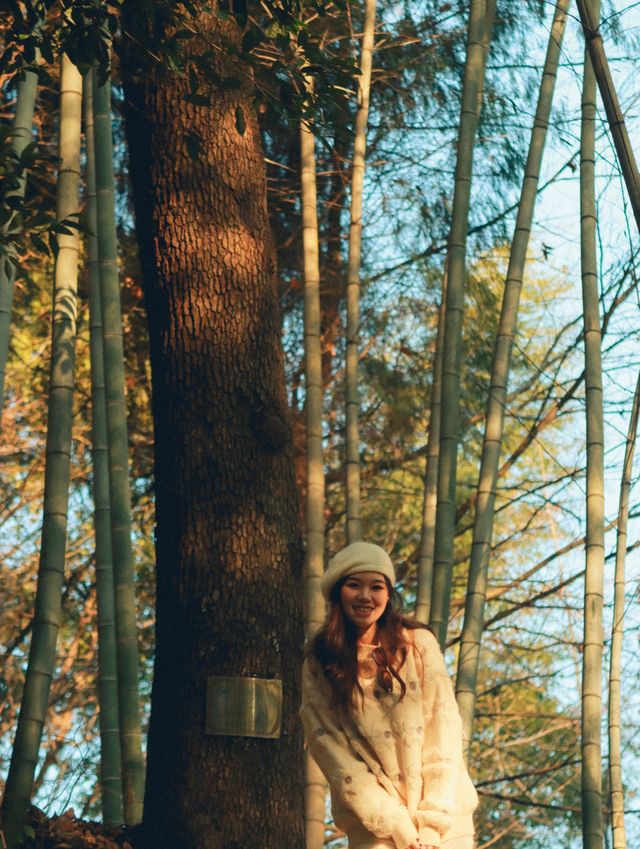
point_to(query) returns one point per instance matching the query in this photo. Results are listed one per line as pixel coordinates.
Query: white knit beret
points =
(357, 557)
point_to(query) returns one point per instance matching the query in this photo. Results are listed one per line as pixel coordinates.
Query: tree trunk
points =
(48, 604)
(110, 756)
(22, 135)
(592, 819)
(229, 556)
(315, 786)
(119, 487)
(428, 534)
(354, 519)
(589, 15)
(469, 655)
(481, 18)
(615, 743)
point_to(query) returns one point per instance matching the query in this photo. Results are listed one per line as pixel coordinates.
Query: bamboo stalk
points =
(429, 504)
(110, 757)
(470, 644)
(315, 784)
(589, 15)
(354, 519)
(22, 135)
(617, 633)
(481, 18)
(48, 603)
(120, 495)
(592, 818)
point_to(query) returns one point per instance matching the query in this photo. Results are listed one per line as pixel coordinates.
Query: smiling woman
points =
(380, 716)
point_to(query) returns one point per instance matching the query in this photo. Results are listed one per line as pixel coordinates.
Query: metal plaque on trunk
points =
(244, 707)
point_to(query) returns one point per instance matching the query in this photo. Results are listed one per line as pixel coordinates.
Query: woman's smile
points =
(364, 597)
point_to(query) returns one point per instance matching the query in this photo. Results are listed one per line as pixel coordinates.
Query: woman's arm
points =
(348, 775)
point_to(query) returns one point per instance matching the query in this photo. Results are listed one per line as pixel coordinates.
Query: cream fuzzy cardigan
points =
(395, 768)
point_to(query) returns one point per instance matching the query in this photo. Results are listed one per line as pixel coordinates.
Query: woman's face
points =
(364, 597)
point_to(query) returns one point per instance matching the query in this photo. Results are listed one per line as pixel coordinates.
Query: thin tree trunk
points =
(110, 755)
(120, 494)
(22, 135)
(315, 787)
(354, 520)
(589, 15)
(617, 634)
(229, 557)
(481, 18)
(469, 655)
(428, 534)
(592, 818)
(48, 604)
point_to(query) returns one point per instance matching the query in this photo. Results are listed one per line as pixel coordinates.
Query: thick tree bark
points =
(229, 556)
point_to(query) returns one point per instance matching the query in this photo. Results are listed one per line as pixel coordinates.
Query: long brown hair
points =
(334, 648)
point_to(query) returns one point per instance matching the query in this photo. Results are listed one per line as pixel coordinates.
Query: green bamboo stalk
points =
(589, 16)
(617, 633)
(469, 655)
(352, 465)
(315, 784)
(428, 533)
(48, 603)
(480, 27)
(110, 757)
(314, 561)
(120, 495)
(22, 135)
(592, 818)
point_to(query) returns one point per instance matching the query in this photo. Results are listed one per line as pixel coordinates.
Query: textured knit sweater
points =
(394, 767)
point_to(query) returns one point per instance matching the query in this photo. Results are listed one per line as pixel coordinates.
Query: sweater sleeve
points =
(352, 783)
(442, 747)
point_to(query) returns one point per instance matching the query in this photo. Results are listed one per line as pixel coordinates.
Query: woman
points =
(380, 716)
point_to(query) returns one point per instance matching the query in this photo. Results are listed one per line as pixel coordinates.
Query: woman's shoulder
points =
(420, 636)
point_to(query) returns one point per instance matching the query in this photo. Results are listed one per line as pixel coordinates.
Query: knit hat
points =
(357, 557)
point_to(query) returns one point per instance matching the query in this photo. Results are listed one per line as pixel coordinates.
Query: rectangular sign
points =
(244, 707)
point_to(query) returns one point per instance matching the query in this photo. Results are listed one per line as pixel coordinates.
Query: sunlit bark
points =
(229, 556)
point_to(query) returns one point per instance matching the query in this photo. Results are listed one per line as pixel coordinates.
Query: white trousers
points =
(454, 843)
